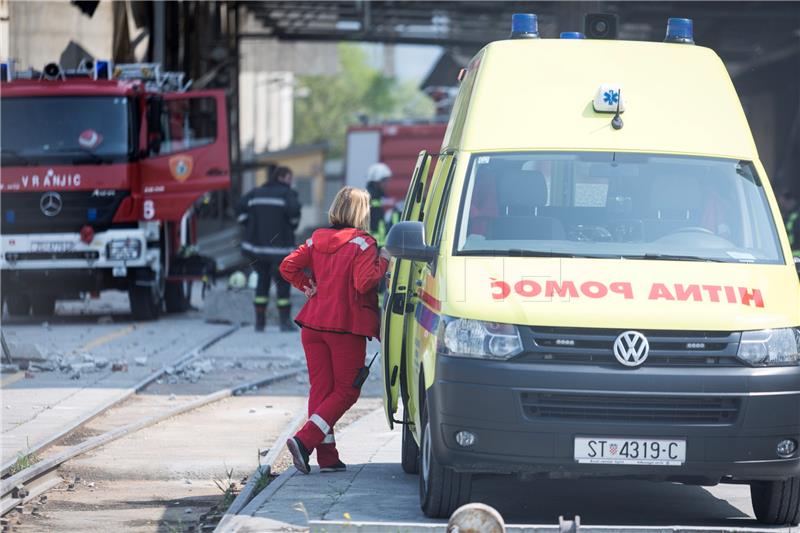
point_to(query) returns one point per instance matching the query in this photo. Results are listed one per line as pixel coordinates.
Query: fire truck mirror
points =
(155, 106)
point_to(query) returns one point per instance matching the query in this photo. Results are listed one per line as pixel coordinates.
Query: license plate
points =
(52, 246)
(616, 451)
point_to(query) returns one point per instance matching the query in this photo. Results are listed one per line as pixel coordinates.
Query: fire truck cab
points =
(101, 168)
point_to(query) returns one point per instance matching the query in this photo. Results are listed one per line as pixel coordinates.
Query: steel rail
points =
(42, 468)
(124, 395)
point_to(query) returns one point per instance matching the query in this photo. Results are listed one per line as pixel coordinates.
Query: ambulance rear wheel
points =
(776, 502)
(18, 304)
(145, 302)
(410, 449)
(442, 490)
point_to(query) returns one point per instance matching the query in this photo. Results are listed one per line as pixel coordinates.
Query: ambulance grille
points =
(667, 348)
(685, 410)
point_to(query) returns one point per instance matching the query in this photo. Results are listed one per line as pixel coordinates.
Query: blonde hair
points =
(350, 208)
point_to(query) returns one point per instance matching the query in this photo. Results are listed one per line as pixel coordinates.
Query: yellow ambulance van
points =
(592, 280)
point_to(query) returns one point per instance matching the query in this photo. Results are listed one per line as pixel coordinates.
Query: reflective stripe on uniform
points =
(261, 300)
(276, 250)
(280, 202)
(320, 423)
(329, 439)
(283, 302)
(361, 242)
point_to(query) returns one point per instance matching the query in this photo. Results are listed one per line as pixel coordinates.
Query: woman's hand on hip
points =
(311, 290)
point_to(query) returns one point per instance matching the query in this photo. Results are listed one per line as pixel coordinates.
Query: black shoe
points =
(261, 318)
(338, 467)
(299, 455)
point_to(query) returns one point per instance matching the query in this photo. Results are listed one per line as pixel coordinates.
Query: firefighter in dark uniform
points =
(270, 215)
(790, 209)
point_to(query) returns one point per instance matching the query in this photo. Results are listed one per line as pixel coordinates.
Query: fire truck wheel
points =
(177, 295)
(43, 305)
(442, 490)
(409, 449)
(145, 302)
(18, 304)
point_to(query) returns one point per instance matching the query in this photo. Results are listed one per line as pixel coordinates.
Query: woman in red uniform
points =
(339, 269)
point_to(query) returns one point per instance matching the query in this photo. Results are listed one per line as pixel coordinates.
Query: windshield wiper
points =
(673, 257)
(8, 152)
(83, 156)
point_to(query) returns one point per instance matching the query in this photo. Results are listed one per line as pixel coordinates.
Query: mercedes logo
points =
(51, 204)
(631, 348)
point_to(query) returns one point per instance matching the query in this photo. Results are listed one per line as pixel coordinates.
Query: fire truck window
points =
(64, 129)
(188, 123)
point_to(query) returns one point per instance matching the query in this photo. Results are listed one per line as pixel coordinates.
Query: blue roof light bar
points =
(524, 26)
(679, 31)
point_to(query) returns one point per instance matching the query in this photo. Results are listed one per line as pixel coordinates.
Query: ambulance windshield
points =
(66, 129)
(616, 205)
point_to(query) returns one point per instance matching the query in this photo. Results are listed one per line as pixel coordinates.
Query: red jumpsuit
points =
(345, 265)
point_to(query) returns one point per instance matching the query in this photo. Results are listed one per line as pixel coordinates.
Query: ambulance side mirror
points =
(797, 265)
(406, 240)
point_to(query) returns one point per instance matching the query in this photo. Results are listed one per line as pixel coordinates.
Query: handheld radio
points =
(363, 374)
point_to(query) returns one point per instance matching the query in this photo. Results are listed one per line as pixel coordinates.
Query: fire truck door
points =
(189, 157)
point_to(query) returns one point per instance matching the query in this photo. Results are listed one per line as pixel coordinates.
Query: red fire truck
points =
(101, 168)
(396, 145)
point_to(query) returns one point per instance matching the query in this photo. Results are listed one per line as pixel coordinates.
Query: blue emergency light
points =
(524, 26)
(91, 214)
(11, 216)
(572, 35)
(679, 31)
(102, 69)
(5, 72)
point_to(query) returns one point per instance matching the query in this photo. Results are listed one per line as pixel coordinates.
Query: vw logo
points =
(631, 348)
(51, 204)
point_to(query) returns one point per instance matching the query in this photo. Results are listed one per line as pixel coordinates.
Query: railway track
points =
(28, 484)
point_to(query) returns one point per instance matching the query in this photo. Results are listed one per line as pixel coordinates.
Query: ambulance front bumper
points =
(525, 418)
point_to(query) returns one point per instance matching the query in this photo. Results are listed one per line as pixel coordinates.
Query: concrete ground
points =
(375, 489)
(168, 476)
(38, 404)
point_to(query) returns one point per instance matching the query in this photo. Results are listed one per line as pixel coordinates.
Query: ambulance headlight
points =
(124, 249)
(770, 347)
(461, 337)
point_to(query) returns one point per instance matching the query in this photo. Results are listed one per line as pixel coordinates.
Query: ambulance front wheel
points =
(410, 450)
(776, 502)
(442, 490)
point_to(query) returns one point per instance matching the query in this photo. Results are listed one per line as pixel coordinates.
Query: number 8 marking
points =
(149, 209)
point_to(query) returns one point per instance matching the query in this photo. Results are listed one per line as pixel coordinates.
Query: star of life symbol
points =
(50, 203)
(611, 97)
(631, 348)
